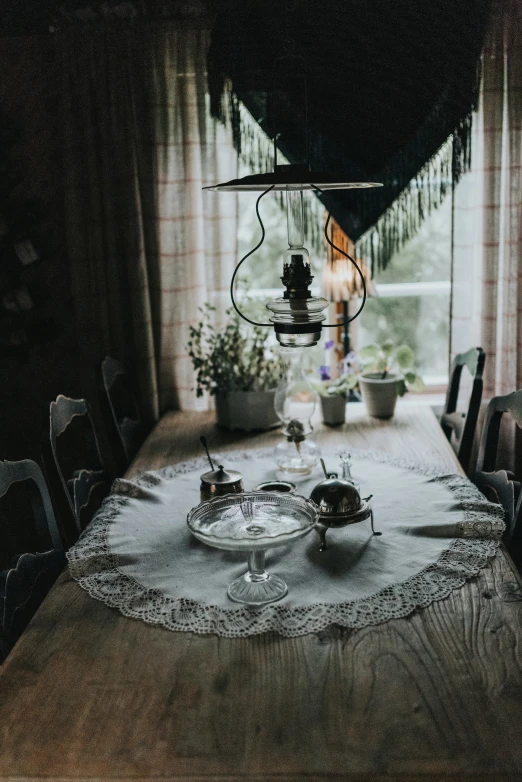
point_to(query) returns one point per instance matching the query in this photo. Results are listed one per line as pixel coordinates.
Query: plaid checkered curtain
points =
(487, 290)
(146, 246)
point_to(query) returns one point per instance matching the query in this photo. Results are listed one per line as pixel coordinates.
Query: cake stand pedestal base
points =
(257, 587)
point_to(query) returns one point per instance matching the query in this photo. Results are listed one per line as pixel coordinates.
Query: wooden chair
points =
(499, 487)
(460, 427)
(511, 404)
(124, 425)
(74, 464)
(26, 577)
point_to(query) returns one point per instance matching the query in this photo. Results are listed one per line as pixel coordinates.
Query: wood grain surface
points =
(90, 695)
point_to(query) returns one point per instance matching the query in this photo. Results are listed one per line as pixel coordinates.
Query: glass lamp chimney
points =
(295, 218)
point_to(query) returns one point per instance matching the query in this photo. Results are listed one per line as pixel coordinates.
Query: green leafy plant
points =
(339, 387)
(387, 359)
(233, 357)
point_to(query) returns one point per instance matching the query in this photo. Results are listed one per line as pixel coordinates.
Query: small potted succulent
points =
(234, 365)
(335, 393)
(384, 373)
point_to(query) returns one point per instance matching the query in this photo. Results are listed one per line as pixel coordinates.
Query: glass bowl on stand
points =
(253, 522)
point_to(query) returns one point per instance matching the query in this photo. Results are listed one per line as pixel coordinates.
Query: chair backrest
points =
(125, 427)
(501, 488)
(29, 575)
(510, 404)
(458, 427)
(74, 464)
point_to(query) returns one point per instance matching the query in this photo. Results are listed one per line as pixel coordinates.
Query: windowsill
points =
(426, 398)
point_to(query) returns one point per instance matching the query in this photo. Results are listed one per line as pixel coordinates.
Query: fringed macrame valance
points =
(391, 92)
(425, 192)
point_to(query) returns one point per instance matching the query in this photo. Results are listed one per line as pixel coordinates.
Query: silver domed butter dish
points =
(253, 522)
(339, 502)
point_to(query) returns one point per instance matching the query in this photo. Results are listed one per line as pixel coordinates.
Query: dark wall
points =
(29, 91)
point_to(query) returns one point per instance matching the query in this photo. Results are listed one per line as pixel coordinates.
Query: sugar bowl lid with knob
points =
(216, 483)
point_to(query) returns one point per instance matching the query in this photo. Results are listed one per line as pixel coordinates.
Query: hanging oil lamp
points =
(297, 316)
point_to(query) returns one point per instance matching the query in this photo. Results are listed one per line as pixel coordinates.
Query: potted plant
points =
(234, 365)
(384, 373)
(334, 394)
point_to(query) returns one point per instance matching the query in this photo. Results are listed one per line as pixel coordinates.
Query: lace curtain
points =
(146, 246)
(487, 294)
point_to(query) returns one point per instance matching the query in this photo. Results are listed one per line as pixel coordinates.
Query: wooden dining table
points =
(88, 694)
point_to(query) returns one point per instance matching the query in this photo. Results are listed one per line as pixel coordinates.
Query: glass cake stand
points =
(253, 522)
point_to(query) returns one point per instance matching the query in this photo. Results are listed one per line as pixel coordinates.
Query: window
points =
(413, 298)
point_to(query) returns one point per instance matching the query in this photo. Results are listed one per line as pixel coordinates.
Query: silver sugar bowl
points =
(339, 503)
(218, 482)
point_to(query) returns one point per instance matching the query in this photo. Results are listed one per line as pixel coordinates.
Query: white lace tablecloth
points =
(138, 555)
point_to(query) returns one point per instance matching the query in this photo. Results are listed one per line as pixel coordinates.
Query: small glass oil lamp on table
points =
(295, 402)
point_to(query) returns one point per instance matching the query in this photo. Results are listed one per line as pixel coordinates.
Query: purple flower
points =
(324, 373)
(329, 344)
(343, 369)
(349, 363)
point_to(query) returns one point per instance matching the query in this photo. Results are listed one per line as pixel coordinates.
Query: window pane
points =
(427, 256)
(418, 321)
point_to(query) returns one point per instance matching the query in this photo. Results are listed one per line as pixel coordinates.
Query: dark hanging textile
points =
(387, 83)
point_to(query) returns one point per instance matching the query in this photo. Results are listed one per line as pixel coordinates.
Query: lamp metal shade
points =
(295, 177)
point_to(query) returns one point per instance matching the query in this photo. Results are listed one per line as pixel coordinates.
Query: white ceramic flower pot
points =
(379, 396)
(246, 411)
(334, 409)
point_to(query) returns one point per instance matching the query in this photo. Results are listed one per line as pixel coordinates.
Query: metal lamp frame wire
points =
(329, 241)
